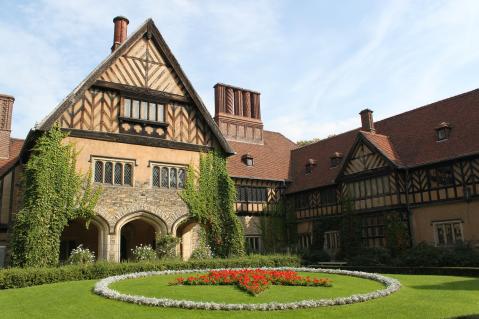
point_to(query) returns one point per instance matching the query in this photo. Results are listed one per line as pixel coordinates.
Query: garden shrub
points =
(425, 255)
(81, 256)
(25, 277)
(203, 251)
(144, 253)
(166, 246)
(376, 256)
(312, 256)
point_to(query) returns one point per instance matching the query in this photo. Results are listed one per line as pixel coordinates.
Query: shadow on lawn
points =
(467, 317)
(470, 284)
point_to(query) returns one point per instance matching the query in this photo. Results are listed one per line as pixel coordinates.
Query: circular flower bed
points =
(391, 285)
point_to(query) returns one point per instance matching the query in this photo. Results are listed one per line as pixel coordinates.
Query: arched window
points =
(128, 174)
(156, 176)
(173, 177)
(165, 177)
(109, 172)
(118, 174)
(99, 172)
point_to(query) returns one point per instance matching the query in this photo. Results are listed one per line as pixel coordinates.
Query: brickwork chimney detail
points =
(237, 113)
(120, 32)
(6, 108)
(367, 123)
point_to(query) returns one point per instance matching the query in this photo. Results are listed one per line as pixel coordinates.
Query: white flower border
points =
(391, 285)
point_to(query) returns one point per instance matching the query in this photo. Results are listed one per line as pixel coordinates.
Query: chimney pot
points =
(120, 31)
(367, 123)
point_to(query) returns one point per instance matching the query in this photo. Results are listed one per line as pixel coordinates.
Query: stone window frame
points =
(305, 240)
(441, 225)
(161, 166)
(123, 162)
(253, 243)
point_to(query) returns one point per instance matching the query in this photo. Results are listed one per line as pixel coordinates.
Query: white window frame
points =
(437, 224)
(95, 159)
(305, 240)
(332, 234)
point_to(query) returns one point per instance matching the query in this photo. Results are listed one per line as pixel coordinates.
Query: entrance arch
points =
(77, 233)
(140, 228)
(189, 232)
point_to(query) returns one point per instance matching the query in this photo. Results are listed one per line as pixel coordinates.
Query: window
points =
(305, 240)
(168, 176)
(331, 240)
(441, 176)
(114, 172)
(247, 159)
(373, 231)
(143, 110)
(253, 244)
(443, 131)
(251, 194)
(328, 196)
(310, 165)
(448, 233)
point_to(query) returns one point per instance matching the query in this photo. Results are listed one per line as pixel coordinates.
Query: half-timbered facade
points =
(138, 123)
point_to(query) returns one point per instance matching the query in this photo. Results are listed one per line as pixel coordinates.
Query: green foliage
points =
(166, 246)
(203, 251)
(375, 256)
(350, 229)
(25, 277)
(397, 234)
(312, 256)
(144, 253)
(81, 256)
(210, 195)
(307, 142)
(54, 195)
(425, 255)
(273, 225)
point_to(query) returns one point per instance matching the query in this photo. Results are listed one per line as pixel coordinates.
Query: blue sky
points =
(316, 63)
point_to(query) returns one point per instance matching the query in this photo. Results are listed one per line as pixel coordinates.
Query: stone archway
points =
(189, 231)
(139, 228)
(91, 237)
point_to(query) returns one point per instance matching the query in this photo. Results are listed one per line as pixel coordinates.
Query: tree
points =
(307, 142)
(54, 195)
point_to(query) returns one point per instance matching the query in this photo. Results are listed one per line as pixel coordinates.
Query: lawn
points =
(420, 297)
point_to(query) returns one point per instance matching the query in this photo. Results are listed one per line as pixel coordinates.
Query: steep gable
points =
(144, 69)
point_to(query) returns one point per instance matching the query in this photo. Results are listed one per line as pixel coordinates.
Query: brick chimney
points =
(367, 123)
(238, 114)
(120, 33)
(6, 107)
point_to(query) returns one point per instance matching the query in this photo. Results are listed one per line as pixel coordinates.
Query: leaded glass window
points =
(148, 111)
(128, 174)
(172, 177)
(118, 173)
(108, 172)
(99, 172)
(181, 178)
(165, 180)
(156, 176)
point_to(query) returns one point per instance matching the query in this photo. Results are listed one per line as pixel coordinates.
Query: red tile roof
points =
(408, 139)
(271, 160)
(15, 148)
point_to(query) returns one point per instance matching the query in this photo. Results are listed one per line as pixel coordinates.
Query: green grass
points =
(157, 286)
(421, 297)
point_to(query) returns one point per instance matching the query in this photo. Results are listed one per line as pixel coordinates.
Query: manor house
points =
(137, 123)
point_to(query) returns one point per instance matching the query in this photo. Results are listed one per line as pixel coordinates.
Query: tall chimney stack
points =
(367, 123)
(120, 33)
(6, 107)
(237, 113)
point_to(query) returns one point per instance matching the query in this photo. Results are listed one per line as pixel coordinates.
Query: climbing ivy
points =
(54, 195)
(210, 195)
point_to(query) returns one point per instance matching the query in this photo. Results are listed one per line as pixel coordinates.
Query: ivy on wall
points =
(210, 195)
(54, 195)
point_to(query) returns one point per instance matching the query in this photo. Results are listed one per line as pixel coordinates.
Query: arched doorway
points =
(135, 233)
(77, 233)
(189, 232)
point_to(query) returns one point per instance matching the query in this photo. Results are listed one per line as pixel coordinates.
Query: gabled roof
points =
(15, 148)
(271, 159)
(407, 139)
(150, 27)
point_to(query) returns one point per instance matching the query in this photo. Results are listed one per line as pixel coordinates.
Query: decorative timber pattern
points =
(363, 159)
(256, 196)
(97, 110)
(143, 66)
(186, 125)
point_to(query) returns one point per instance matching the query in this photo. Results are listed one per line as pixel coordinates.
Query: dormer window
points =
(310, 165)
(248, 160)
(443, 131)
(143, 111)
(336, 159)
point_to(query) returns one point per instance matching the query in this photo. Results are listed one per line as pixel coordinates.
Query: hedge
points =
(441, 271)
(26, 277)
